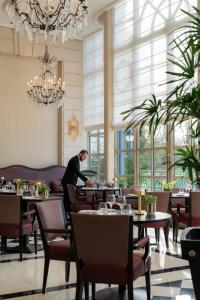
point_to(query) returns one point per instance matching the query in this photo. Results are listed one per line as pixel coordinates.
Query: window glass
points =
(96, 151)
(124, 156)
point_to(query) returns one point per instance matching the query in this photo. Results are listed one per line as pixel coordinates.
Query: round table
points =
(136, 219)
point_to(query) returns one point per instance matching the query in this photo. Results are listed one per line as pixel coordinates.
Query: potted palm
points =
(150, 203)
(182, 103)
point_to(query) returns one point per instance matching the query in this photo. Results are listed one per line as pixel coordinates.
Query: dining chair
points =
(131, 190)
(189, 215)
(104, 253)
(77, 204)
(176, 201)
(162, 205)
(53, 227)
(14, 223)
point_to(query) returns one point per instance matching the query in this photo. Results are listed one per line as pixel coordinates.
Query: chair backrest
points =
(102, 238)
(72, 197)
(162, 201)
(129, 190)
(10, 209)
(195, 204)
(50, 216)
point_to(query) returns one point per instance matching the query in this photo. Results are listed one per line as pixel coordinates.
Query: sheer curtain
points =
(140, 44)
(93, 80)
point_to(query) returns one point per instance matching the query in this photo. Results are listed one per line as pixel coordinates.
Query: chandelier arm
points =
(57, 10)
(71, 15)
(36, 4)
(34, 25)
(28, 19)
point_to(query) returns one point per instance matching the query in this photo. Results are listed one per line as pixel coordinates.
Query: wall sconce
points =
(73, 128)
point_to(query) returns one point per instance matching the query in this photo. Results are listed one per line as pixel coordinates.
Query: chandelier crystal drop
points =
(45, 89)
(63, 18)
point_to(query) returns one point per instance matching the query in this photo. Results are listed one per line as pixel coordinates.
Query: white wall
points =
(30, 134)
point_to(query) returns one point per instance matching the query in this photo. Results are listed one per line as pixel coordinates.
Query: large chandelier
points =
(63, 18)
(45, 89)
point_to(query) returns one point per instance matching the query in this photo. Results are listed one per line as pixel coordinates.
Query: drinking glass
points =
(127, 208)
(181, 191)
(32, 190)
(111, 200)
(102, 207)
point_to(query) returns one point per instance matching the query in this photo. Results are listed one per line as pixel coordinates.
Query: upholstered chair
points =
(188, 215)
(103, 249)
(79, 204)
(14, 223)
(53, 226)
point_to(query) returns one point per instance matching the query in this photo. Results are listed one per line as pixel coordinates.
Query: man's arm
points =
(80, 175)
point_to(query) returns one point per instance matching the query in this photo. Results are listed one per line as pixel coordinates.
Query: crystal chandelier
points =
(45, 89)
(63, 18)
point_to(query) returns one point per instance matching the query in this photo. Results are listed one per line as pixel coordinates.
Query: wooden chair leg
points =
(130, 290)
(156, 236)
(148, 284)
(93, 290)
(3, 238)
(67, 270)
(174, 229)
(86, 287)
(4, 243)
(146, 231)
(166, 234)
(35, 241)
(140, 232)
(79, 290)
(122, 288)
(46, 269)
(20, 246)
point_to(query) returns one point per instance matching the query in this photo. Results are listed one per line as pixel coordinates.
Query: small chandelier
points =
(63, 18)
(45, 89)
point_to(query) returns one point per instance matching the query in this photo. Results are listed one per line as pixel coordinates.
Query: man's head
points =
(83, 154)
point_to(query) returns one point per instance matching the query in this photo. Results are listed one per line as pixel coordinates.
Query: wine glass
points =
(32, 190)
(102, 207)
(110, 200)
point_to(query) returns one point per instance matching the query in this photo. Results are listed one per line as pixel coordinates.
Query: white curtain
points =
(140, 43)
(93, 80)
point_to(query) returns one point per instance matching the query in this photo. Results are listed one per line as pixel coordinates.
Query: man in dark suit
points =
(72, 174)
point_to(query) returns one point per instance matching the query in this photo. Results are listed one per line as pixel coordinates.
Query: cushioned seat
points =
(52, 228)
(60, 250)
(12, 230)
(190, 216)
(13, 223)
(113, 260)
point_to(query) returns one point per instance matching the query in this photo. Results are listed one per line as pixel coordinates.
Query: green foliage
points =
(167, 185)
(149, 198)
(43, 187)
(122, 181)
(183, 102)
(189, 160)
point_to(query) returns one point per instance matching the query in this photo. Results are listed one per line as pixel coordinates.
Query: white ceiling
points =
(94, 6)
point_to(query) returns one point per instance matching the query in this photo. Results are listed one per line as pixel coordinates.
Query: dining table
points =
(136, 219)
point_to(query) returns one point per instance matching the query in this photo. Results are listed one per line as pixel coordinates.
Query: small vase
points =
(46, 194)
(151, 208)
